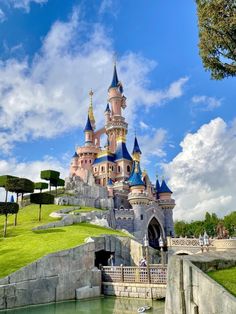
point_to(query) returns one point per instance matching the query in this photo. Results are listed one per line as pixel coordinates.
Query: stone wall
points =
(133, 290)
(59, 276)
(191, 291)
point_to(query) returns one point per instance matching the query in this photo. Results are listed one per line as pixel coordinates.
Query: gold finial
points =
(90, 110)
(91, 96)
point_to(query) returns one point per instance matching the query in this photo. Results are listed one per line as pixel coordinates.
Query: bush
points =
(40, 185)
(19, 185)
(41, 198)
(3, 180)
(49, 175)
(7, 208)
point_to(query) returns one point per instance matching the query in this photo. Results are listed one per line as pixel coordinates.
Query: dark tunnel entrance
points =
(101, 257)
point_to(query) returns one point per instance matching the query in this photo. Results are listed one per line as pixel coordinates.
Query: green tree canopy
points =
(40, 186)
(7, 208)
(217, 36)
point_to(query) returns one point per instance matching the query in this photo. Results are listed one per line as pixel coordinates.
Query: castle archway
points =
(154, 233)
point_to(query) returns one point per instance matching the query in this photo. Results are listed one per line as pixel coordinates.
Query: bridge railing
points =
(128, 274)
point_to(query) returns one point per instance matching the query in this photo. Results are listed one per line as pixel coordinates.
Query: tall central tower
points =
(115, 125)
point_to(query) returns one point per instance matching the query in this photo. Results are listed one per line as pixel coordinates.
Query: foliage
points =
(28, 245)
(40, 186)
(49, 175)
(3, 180)
(41, 198)
(217, 34)
(19, 185)
(225, 277)
(195, 228)
(7, 208)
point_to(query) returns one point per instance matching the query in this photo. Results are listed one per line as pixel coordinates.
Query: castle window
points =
(128, 168)
(81, 162)
(118, 168)
(95, 169)
(112, 168)
(141, 217)
(90, 161)
(85, 161)
(102, 169)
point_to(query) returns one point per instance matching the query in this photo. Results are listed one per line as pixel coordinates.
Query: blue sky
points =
(52, 52)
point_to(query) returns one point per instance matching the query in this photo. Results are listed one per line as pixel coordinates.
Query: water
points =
(104, 305)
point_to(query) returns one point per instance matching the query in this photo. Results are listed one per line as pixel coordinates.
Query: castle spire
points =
(115, 80)
(90, 110)
(136, 154)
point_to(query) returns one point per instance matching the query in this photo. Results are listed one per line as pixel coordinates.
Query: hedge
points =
(49, 175)
(40, 185)
(8, 208)
(41, 198)
(57, 182)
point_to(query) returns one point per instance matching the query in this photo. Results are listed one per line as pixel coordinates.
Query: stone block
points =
(4, 281)
(67, 285)
(88, 292)
(25, 273)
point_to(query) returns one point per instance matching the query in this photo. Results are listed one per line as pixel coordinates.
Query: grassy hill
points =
(23, 246)
(225, 277)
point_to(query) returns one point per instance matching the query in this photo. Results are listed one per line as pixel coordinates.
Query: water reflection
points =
(105, 305)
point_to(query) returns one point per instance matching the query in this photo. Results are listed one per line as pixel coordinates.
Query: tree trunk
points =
(40, 212)
(5, 227)
(6, 196)
(15, 222)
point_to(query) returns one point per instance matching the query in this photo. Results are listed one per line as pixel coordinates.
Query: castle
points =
(138, 205)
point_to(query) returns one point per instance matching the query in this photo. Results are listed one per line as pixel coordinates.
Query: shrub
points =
(7, 208)
(41, 198)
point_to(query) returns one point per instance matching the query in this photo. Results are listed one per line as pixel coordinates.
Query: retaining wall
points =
(191, 291)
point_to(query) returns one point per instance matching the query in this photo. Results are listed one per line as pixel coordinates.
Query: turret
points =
(88, 131)
(158, 188)
(74, 163)
(115, 93)
(164, 191)
(136, 153)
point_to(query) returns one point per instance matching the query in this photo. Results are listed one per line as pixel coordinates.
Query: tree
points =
(19, 186)
(210, 224)
(217, 36)
(41, 198)
(50, 175)
(7, 208)
(230, 223)
(40, 186)
(3, 180)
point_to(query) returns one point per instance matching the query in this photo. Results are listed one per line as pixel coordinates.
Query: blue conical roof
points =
(115, 81)
(88, 126)
(75, 155)
(164, 188)
(122, 152)
(109, 182)
(136, 175)
(12, 199)
(158, 187)
(108, 108)
(136, 148)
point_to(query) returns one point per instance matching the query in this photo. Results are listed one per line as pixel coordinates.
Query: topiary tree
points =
(40, 186)
(7, 208)
(19, 186)
(3, 180)
(58, 182)
(51, 176)
(41, 198)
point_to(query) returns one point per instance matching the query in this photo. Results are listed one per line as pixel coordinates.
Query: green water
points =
(105, 305)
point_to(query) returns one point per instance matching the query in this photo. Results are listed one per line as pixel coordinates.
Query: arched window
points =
(118, 168)
(128, 168)
(102, 169)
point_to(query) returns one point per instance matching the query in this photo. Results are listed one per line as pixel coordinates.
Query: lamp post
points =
(146, 244)
(161, 244)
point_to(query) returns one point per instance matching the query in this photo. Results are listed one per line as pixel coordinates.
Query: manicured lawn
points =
(225, 277)
(23, 246)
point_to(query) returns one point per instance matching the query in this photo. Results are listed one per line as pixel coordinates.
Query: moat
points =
(106, 305)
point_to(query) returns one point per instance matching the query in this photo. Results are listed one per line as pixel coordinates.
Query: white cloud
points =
(152, 145)
(143, 125)
(2, 16)
(25, 4)
(206, 103)
(30, 170)
(50, 95)
(108, 6)
(202, 176)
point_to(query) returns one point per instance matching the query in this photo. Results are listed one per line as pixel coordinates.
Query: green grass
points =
(225, 277)
(23, 246)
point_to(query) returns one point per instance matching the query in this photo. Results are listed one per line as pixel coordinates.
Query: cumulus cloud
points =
(202, 176)
(206, 103)
(49, 96)
(31, 170)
